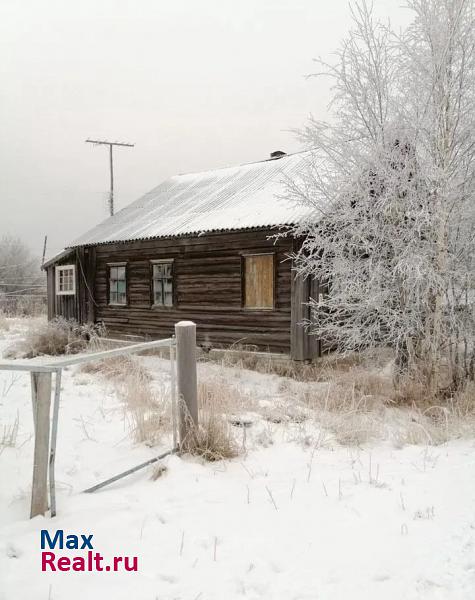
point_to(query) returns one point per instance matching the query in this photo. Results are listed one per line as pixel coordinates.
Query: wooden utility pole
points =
(44, 250)
(110, 144)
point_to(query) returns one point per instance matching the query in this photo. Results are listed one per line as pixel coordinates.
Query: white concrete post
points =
(185, 332)
(41, 392)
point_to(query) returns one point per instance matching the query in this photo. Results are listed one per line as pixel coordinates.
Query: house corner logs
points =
(302, 345)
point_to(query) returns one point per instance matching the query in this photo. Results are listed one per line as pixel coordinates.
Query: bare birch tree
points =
(391, 180)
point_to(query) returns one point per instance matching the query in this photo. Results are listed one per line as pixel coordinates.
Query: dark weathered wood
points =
(90, 279)
(50, 287)
(208, 289)
(64, 306)
(302, 345)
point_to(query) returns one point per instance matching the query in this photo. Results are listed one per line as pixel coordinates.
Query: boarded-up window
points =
(259, 281)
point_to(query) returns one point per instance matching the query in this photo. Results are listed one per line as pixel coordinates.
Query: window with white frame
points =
(162, 283)
(65, 280)
(117, 284)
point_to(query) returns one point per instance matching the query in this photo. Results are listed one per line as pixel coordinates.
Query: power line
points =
(17, 292)
(110, 144)
(17, 283)
(26, 264)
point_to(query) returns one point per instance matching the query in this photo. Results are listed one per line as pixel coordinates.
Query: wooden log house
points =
(199, 246)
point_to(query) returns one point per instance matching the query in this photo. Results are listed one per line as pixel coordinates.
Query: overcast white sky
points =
(195, 84)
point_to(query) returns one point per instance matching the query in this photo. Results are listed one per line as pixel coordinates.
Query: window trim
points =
(245, 255)
(126, 266)
(58, 270)
(153, 305)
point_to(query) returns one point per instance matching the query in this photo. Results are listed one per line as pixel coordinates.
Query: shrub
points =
(59, 336)
(149, 410)
(9, 433)
(213, 439)
(4, 324)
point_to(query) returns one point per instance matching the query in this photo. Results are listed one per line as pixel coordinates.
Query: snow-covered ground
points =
(285, 520)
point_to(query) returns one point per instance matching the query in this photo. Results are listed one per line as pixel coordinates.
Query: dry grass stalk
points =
(158, 471)
(148, 409)
(213, 438)
(4, 323)
(54, 338)
(9, 434)
(117, 368)
(244, 357)
(359, 406)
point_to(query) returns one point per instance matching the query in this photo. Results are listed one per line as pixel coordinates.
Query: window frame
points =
(243, 282)
(126, 277)
(58, 270)
(153, 304)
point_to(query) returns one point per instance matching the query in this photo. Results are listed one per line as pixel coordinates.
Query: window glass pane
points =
(168, 292)
(65, 279)
(158, 296)
(162, 283)
(117, 285)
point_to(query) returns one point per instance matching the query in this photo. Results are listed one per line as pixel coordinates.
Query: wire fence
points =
(184, 406)
(23, 304)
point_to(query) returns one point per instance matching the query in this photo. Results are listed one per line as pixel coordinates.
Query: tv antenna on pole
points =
(111, 145)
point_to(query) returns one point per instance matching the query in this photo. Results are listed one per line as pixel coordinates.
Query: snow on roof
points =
(242, 197)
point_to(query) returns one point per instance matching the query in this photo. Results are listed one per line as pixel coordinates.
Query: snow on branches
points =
(392, 184)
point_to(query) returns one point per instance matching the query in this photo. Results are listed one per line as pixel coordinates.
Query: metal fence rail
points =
(41, 370)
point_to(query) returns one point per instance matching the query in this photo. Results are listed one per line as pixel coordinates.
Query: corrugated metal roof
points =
(242, 197)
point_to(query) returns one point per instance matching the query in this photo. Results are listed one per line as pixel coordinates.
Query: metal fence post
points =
(54, 437)
(185, 332)
(41, 405)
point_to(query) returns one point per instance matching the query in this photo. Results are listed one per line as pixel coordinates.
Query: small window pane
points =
(65, 279)
(162, 282)
(158, 299)
(117, 285)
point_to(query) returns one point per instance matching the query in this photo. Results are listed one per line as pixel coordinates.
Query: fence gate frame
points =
(184, 412)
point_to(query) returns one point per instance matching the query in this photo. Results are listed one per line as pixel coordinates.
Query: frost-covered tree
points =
(391, 181)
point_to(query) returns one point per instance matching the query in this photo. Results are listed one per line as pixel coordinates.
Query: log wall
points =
(208, 272)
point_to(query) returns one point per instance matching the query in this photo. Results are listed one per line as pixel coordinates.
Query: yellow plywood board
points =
(259, 281)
